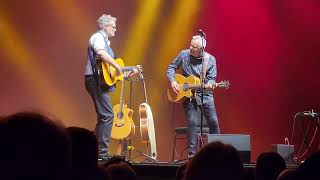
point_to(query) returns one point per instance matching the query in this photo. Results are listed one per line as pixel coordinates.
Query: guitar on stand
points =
(123, 127)
(147, 124)
(146, 127)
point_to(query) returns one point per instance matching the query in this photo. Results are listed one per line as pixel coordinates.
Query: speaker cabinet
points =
(286, 151)
(239, 141)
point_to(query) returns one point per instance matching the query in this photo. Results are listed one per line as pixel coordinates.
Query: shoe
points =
(104, 157)
(190, 156)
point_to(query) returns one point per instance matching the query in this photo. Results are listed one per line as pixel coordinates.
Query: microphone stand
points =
(202, 74)
(130, 105)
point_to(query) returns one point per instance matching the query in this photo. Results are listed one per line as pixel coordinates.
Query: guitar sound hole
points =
(120, 115)
(185, 86)
(119, 121)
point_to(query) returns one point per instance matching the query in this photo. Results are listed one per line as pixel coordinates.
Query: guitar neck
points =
(194, 86)
(187, 87)
(128, 68)
(198, 86)
(122, 96)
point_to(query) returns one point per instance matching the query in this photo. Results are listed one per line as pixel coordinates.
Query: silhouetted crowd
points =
(33, 146)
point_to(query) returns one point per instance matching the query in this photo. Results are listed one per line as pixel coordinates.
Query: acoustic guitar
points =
(109, 71)
(123, 126)
(147, 128)
(147, 124)
(186, 87)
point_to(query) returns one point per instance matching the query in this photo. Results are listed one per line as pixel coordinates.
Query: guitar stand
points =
(180, 161)
(129, 147)
(143, 154)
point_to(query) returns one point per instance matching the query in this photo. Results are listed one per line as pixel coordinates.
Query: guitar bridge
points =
(119, 125)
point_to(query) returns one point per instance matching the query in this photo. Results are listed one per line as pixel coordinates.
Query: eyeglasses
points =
(113, 27)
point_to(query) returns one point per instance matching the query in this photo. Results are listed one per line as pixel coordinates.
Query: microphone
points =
(201, 33)
(309, 114)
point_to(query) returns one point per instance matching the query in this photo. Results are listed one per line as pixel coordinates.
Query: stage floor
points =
(167, 170)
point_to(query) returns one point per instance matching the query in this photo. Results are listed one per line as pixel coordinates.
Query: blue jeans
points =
(209, 111)
(103, 107)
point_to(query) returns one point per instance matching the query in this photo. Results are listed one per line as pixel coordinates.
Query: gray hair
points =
(202, 41)
(104, 20)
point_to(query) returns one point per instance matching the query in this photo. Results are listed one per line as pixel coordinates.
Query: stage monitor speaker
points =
(286, 151)
(239, 141)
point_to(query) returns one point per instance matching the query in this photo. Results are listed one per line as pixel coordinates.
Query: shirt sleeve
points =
(212, 71)
(97, 42)
(175, 64)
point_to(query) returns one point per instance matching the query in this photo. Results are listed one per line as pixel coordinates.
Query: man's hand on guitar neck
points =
(210, 86)
(135, 71)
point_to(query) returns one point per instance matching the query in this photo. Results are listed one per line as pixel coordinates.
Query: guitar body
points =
(143, 123)
(187, 84)
(108, 72)
(123, 126)
(147, 128)
(183, 92)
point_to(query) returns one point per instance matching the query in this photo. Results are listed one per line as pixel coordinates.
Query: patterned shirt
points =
(193, 66)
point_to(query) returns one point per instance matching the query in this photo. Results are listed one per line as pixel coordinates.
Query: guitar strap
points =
(95, 68)
(204, 68)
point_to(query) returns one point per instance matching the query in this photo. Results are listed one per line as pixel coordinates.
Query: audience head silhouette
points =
(181, 171)
(309, 169)
(269, 165)
(288, 174)
(33, 147)
(215, 160)
(84, 152)
(120, 169)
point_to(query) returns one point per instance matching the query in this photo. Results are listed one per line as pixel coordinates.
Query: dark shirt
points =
(193, 66)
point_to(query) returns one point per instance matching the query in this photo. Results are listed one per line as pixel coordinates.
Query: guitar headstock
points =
(223, 84)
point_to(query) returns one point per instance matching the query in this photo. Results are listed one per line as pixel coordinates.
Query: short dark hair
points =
(33, 146)
(269, 165)
(119, 168)
(217, 160)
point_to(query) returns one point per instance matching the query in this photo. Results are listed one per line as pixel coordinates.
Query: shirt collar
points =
(105, 37)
